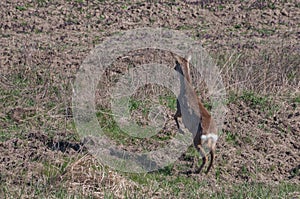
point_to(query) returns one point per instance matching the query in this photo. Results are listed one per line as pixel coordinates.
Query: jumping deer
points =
(195, 116)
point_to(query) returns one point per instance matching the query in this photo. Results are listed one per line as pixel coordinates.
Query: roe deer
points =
(194, 115)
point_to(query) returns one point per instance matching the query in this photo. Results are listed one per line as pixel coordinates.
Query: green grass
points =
(21, 8)
(265, 31)
(169, 101)
(255, 101)
(114, 132)
(230, 137)
(179, 186)
(173, 185)
(164, 179)
(110, 127)
(296, 99)
(4, 136)
(41, 2)
(237, 26)
(260, 190)
(38, 191)
(142, 106)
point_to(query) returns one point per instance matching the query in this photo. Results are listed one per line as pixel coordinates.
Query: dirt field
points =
(255, 45)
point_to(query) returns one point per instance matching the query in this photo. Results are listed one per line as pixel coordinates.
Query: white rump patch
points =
(209, 136)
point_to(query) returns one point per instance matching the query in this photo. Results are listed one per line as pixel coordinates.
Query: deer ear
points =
(189, 58)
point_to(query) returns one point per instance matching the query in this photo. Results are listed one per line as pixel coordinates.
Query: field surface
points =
(255, 45)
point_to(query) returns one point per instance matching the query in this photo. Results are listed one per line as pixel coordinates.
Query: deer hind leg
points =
(177, 114)
(212, 157)
(204, 158)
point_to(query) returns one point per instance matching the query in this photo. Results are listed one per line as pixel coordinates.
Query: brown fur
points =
(196, 117)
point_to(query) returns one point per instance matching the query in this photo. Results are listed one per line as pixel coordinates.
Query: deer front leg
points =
(177, 114)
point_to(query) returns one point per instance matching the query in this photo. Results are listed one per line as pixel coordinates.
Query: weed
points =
(102, 17)
(5, 136)
(221, 7)
(272, 6)
(109, 126)
(237, 26)
(169, 101)
(134, 104)
(232, 97)
(230, 137)
(218, 173)
(265, 31)
(254, 100)
(208, 105)
(296, 99)
(248, 140)
(21, 8)
(185, 27)
(245, 170)
(41, 2)
(295, 172)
